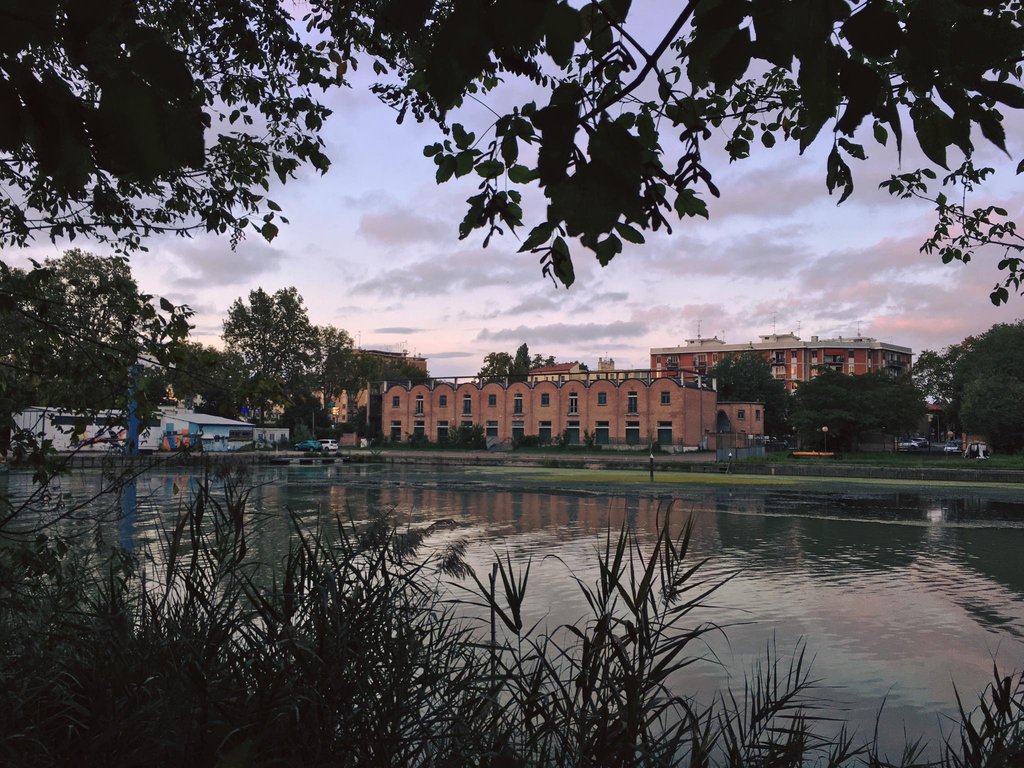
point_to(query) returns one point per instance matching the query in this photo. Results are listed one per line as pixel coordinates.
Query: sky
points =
(373, 247)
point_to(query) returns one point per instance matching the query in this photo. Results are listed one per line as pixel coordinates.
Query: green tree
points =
(616, 129)
(161, 116)
(125, 119)
(994, 357)
(208, 380)
(852, 406)
(520, 367)
(937, 375)
(335, 362)
(276, 343)
(539, 361)
(748, 378)
(78, 334)
(502, 366)
(994, 406)
(497, 367)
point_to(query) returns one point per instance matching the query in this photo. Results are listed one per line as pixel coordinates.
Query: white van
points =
(328, 444)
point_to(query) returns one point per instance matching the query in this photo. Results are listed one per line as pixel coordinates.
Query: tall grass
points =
(349, 651)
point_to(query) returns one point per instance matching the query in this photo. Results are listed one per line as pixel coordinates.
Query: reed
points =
(349, 650)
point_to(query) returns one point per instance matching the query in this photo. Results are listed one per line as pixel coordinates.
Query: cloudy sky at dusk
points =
(373, 248)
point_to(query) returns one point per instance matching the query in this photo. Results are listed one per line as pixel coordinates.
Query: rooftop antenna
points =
(698, 329)
(799, 326)
(858, 329)
(774, 333)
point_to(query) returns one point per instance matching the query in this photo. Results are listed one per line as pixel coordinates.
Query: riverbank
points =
(665, 466)
(695, 463)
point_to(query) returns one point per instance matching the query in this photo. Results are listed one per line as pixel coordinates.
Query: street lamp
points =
(824, 431)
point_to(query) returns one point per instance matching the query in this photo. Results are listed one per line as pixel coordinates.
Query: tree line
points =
(80, 335)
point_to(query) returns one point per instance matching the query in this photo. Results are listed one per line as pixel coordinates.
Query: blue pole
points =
(129, 502)
(131, 445)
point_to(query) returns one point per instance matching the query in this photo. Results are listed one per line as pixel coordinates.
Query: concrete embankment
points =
(694, 463)
(634, 461)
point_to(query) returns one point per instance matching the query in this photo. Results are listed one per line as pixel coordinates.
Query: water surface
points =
(899, 592)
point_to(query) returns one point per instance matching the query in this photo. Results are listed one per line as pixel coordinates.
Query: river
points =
(899, 592)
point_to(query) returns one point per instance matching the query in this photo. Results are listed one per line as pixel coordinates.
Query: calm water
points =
(899, 593)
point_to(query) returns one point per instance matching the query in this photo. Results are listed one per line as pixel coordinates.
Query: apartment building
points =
(792, 359)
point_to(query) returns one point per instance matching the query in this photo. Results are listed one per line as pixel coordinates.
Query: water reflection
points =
(899, 594)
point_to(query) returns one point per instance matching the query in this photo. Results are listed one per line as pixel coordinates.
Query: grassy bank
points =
(347, 652)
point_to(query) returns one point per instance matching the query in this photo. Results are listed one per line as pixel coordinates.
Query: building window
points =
(395, 402)
(492, 400)
(666, 398)
(443, 401)
(574, 404)
(466, 424)
(757, 415)
(518, 430)
(396, 431)
(714, 357)
(572, 433)
(664, 433)
(442, 431)
(545, 400)
(419, 428)
(601, 433)
(492, 429)
(793, 357)
(602, 398)
(741, 415)
(632, 433)
(467, 405)
(632, 403)
(419, 405)
(544, 432)
(517, 404)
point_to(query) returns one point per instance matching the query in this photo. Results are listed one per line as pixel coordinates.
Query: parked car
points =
(953, 446)
(308, 445)
(329, 444)
(906, 444)
(920, 442)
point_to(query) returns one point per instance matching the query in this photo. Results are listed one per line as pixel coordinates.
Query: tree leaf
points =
(629, 234)
(520, 174)
(490, 169)
(934, 130)
(874, 30)
(539, 235)
(881, 135)
(445, 168)
(562, 30)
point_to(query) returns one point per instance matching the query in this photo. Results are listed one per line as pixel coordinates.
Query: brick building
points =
(635, 410)
(792, 359)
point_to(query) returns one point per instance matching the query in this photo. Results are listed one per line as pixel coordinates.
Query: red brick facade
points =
(633, 411)
(792, 360)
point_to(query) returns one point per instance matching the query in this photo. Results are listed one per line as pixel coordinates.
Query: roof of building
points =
(205, 418)
(557, 368)
(783, 341)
